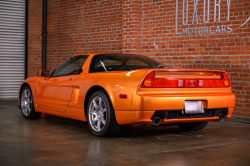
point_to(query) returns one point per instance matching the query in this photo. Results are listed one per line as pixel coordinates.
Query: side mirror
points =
(44, 73)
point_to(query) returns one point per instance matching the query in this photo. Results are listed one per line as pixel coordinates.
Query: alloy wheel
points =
(26, 102)
(97, 114)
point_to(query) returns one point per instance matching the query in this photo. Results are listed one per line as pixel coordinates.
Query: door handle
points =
(70, 79)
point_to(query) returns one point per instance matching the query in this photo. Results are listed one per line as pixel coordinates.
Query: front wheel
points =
(192, 126)
(27, 104)
(101, 116)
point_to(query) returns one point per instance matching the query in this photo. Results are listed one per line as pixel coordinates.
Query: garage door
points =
(12, 47)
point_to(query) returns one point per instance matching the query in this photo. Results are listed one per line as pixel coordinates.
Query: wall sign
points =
(206, 30)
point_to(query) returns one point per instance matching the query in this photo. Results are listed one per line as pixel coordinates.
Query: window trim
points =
(51, 74)
(91, 66)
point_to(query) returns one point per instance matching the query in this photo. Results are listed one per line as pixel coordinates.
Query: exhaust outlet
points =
(157, 121)
(221, 116)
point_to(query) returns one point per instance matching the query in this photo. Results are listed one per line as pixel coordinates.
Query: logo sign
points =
(191, 83)
(245, 22)
(206, 30)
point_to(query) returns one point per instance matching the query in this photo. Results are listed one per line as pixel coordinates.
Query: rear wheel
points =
(101, 116)
(27, 104)
(192, 126)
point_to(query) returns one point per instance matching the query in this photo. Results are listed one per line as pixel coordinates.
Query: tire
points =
(27, 104)
(192, 126)
(101, 116)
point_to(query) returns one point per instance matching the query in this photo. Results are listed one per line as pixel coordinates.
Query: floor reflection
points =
(52, 140)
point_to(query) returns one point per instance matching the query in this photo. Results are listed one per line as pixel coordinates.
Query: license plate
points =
(193, 107)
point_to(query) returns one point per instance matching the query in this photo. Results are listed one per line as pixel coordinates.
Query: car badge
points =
(191, 83)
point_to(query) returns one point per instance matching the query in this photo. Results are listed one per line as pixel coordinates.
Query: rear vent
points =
(177, 114)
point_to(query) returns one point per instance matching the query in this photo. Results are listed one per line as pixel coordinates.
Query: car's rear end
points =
(180, 96)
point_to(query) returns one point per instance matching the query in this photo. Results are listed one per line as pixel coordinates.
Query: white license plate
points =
(193, 107)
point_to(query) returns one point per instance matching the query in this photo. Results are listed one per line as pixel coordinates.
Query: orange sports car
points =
(111, 90)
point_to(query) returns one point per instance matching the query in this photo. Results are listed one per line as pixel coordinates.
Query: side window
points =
(70, 67)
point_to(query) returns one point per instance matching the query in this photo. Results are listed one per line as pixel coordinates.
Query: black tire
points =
(192, 126)
(28, 110)
(95, 114)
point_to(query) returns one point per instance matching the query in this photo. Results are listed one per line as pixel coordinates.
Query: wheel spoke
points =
(92, 112)
(104, 110)
(94, 120)
(25, 111)
(93, 117)
(28, 109)
(100, 103)
(94, 103)
(99, 125)
(29, 95)
(91, 107)
(23, 96)
(25, 93)
(103, 121)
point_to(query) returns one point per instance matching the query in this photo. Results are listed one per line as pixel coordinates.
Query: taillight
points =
(151, 82)
(148, 80)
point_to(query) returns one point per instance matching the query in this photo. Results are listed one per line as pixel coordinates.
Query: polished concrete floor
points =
(52, 140)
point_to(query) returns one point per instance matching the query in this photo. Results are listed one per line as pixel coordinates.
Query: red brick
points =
(191, 49)
(238, 113)
(244, 57)
(244, 109)
(246, 114)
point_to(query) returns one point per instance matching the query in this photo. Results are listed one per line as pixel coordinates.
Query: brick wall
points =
(34, 37)
(82, 26)
(132, 26)
(148, 27)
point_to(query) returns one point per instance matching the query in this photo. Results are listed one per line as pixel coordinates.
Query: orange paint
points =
(65, 95)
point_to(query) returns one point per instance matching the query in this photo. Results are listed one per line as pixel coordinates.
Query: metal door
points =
(12, 47)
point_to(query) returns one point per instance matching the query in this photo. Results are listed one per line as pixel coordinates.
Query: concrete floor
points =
(52, 140)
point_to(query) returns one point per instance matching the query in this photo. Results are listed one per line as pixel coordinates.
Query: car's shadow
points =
(128, 131)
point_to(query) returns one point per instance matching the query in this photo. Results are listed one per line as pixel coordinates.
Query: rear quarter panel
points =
(115, 83)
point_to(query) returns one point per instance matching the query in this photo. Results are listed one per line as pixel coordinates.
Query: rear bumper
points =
(145, 103)
(150, 101)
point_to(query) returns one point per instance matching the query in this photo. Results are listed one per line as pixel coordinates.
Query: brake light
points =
(151, 82)
(223, 82)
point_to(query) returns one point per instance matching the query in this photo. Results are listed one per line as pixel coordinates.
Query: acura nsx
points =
(111, 90)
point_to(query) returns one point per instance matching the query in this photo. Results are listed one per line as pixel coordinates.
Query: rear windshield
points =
(115, 62)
